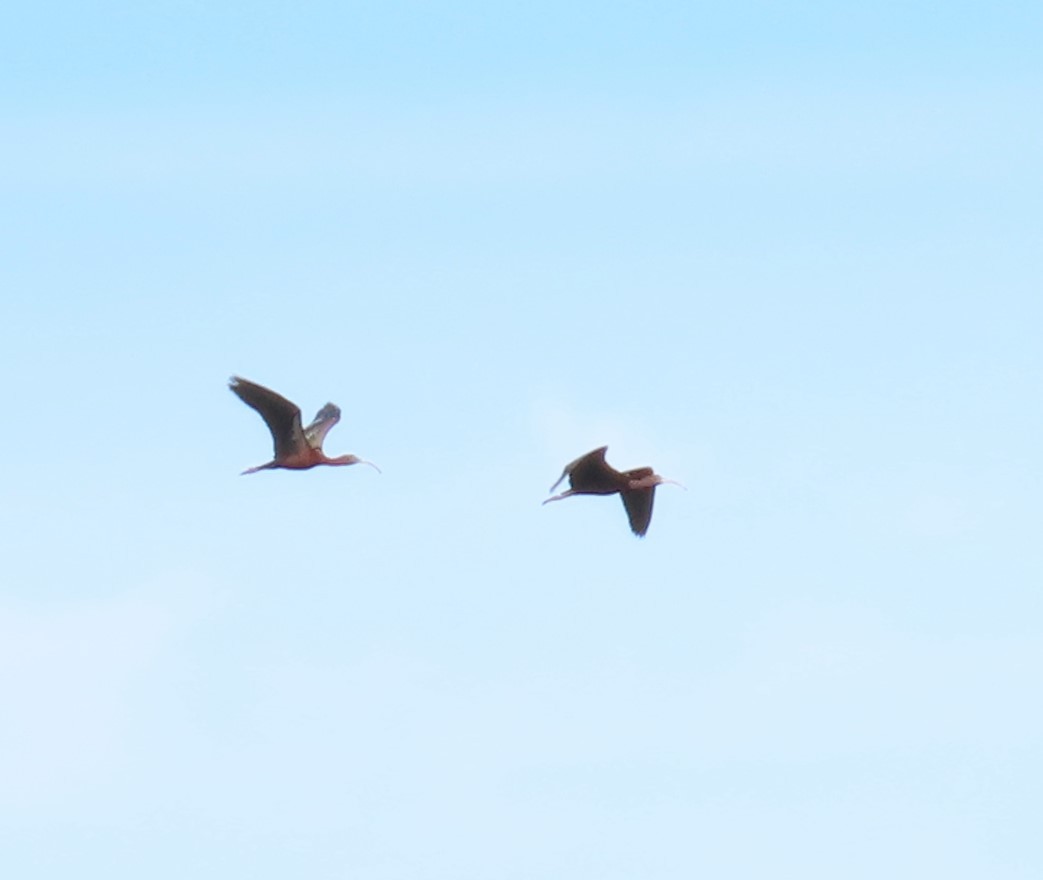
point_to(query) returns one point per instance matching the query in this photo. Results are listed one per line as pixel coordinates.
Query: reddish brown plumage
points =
(590, 474)
(296, 447)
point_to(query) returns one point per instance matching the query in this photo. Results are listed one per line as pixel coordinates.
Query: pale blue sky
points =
(788, 254)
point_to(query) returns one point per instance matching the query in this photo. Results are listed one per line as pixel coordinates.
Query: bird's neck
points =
(646, 482)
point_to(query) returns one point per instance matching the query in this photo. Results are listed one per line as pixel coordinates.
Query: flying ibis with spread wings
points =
(590, 474)
(296, 447)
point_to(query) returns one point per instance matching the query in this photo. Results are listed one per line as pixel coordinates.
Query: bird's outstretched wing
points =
(638, 503)
(325, 419)
(584, 466)
(281, 415)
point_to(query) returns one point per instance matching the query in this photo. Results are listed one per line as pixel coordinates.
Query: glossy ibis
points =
(296, 447)
(590, 474)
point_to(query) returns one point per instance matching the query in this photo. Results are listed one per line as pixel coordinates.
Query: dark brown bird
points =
(296, 447)
(590, 474)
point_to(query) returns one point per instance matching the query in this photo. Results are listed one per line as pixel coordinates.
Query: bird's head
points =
(352, 459)
(653, 480)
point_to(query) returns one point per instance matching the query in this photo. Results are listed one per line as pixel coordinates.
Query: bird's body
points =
(590, 474)
(296, 447)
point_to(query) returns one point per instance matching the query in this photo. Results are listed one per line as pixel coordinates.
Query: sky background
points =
(786, 253)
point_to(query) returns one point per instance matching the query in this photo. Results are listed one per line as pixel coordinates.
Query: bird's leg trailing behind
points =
(260, 467)
(557, 483)
(559, 497)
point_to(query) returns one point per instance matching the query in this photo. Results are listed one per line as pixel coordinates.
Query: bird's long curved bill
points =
(363, 461)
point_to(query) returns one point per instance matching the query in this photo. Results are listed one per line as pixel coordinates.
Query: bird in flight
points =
(296, 447)
(590, 474)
